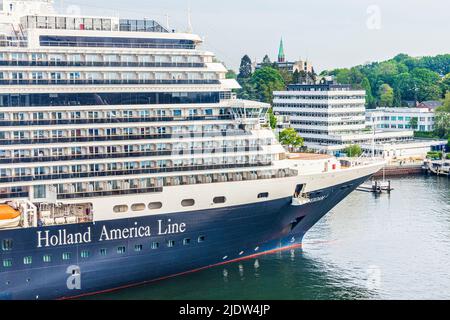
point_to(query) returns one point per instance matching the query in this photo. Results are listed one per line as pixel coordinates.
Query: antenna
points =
(167, 22)
(189, 19)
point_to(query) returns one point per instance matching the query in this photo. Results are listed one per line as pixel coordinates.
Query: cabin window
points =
(120, 208)
(155, 245)
(103, 252)
(188, 202)
(263, 195)
(138, 207)
(66, 256)
(7, 263)
(28, 260)
(186, 241)
(201, 239)
(121, 250)
(218, 200)
(84, 254)
(155, 205)
(7, 245)
(47, 258)
(170, 243)
(138, 247)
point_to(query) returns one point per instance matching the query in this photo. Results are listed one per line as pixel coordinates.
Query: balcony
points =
(107, 82)
(101, 64)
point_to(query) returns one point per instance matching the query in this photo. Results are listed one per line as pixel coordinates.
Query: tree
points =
(245, 70)
(426, 84)
(353, 150)
(265, 81)
(386, 94)
(442, 124)
(266, 62)
(290, 138)
(445, 103)
(231, 74)
(414, 122)
(370, 100)
(272, 119)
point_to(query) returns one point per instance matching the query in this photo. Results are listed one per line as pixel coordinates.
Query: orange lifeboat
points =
(9, 217)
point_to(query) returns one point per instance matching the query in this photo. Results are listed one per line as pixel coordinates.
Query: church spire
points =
(281, 56)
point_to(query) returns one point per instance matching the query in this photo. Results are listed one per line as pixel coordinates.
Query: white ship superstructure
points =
(117, 123)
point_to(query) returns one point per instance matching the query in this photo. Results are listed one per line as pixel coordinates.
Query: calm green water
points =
(369, 247)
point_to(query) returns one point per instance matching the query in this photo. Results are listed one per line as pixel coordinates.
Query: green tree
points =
(231, 74)
(266, 61)
(245, 69)
(426, 84)
(353, 150)
(445, 103)
(414, 122)
(445, 83)
(370, 100)
(386, 94)
(290, 138)
(265, 81)
(442, 124)
(272, 119)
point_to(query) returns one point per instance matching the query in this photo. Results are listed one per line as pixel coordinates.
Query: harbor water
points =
(370, 246)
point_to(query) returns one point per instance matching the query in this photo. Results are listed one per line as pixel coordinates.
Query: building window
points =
(263, 195)
(138, 247)
(121, 250)
(155, 245)
(47, 258)
(7, 245)
(120, 208)
(84, 254)
(170, 243)
(66, 256)
(186, 241)
(103, 252)
(7, 263)
(188, 202)
(201, 239)
(28, 260)
(218, 200)
(155, 205)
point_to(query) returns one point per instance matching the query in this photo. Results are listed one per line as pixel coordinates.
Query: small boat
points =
(9, 217)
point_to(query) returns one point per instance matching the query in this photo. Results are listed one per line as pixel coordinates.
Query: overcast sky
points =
(330, 33)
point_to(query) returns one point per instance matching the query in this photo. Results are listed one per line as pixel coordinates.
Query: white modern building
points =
(331, 117)
(418, 119)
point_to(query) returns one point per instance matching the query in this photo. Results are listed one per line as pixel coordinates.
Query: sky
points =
(329, 33)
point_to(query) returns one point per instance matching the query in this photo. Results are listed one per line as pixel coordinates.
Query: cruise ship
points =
(126, 158)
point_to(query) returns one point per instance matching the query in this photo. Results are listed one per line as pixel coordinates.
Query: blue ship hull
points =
(216, 236)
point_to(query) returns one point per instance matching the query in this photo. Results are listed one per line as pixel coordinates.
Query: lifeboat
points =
(9, 217)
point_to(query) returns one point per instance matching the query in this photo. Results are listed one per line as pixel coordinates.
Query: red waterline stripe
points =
(295, 246)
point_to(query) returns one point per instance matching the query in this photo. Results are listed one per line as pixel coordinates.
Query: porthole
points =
(186, 241)
(218, 200)
(27, 260)
(7, 245)
(84, 254)
(155, 205)
(188, 202)
(171, 243)
(103, 252)
(138, 207)
(263, 195)
(66, 256)
(47, 258)
(201, 239)
(138, 247)
(155, 245)
(7, 263)
(121, 250)
(120, 208)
